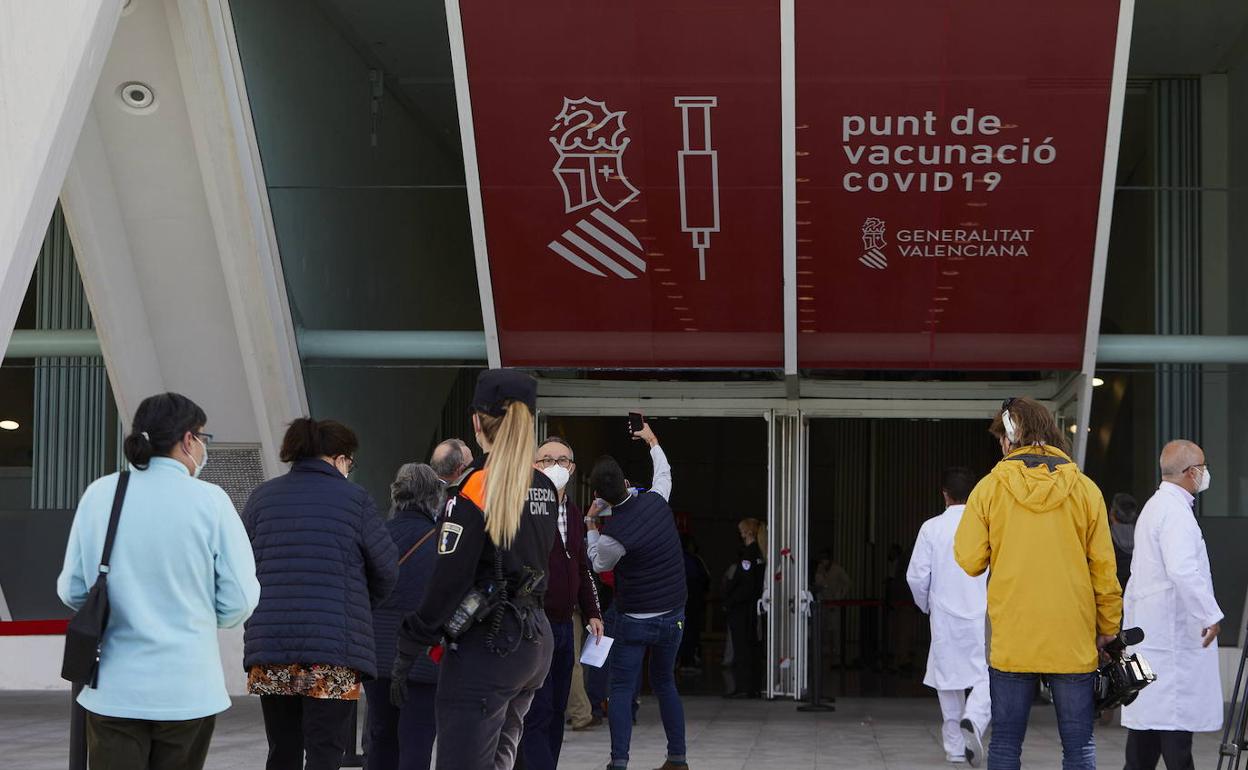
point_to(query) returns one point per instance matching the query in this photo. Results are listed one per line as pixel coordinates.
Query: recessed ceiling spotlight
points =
(9, 425)
(137, 97)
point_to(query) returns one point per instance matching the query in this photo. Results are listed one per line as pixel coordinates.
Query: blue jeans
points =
(633, 637)
(543, 725)
(598, 680)
(400, 739)
(1073, 698)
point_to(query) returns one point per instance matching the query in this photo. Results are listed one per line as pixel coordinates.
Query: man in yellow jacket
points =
(1053, 595)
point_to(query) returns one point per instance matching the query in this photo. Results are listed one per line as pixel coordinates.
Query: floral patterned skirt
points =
(311, 680)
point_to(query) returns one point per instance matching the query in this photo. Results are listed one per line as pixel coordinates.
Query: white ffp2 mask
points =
(1204, 481)
(558, 475)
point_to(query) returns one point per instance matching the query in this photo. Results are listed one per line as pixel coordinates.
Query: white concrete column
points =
(229, 161)
(97, 228)
(51, 55)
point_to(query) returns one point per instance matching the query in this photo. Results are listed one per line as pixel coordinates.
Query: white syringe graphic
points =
(699, 175)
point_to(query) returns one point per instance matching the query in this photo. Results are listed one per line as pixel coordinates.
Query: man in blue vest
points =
(644, 552)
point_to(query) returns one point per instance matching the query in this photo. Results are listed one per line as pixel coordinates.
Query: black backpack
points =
(85, 634)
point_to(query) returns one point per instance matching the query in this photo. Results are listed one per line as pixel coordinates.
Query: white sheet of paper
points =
(595, 654)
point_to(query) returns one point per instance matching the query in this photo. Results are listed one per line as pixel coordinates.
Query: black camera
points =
(1119, 681)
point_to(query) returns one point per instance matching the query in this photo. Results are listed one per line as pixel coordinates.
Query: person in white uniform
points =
(956, 604)
(1170, 596)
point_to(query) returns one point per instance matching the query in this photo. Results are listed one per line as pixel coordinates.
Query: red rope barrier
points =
(33, 627)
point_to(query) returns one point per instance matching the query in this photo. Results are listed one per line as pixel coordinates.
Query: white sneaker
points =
(954, 759)
(974, 743)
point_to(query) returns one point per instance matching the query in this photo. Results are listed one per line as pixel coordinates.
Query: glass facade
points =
(356, 118)
(58, 427)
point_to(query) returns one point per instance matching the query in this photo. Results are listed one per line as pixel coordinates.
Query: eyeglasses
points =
(1202, 466)
(204, 437)
(562, 462)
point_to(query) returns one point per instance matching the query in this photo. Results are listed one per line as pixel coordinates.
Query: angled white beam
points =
(51, 55)
(1100, 254)
(102, 249)
(472, 179)
(229, 161)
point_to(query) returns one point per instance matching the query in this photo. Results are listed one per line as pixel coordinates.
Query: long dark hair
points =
(160, 422)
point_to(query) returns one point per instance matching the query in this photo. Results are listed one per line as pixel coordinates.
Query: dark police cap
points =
(496, 387)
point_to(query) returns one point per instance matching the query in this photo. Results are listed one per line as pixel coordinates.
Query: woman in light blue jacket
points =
(181, 568)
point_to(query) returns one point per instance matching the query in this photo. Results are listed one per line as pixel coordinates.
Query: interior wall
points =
(874, 482)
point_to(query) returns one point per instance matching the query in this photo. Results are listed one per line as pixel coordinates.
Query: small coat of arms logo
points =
(872, 244)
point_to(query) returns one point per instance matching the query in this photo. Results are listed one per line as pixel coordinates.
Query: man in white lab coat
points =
(956, 604)
(1170, 596)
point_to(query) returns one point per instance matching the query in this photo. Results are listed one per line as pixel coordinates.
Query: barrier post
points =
(77, 732)
(814, 661)
(1233, 743)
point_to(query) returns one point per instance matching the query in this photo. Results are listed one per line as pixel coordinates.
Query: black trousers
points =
(296, 725)
(743, 625)
(543, 725)
(400, 739)
(1145, 747)
(483, 697)
(114, 743)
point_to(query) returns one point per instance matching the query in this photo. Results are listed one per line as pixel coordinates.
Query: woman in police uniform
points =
(494, 543)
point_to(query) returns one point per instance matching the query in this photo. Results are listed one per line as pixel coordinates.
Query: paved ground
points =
(899, 733)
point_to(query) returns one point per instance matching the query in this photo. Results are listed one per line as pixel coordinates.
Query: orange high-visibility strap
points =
(474, 489)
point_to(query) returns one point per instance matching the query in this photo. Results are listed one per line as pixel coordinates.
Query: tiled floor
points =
(863, 734)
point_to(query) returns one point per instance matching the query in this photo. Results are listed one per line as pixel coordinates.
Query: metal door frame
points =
(788, 525)
(788, 488)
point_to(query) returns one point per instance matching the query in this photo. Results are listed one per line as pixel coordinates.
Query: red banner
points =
(629, 160)
(950, 158)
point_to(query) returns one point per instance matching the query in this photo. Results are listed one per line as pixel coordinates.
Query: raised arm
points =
(604, 551)
(661, 481)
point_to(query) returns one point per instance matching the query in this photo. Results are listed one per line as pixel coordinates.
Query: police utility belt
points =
(493, 602)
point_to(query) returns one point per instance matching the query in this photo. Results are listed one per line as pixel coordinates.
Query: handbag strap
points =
(123, 481)
(419, 543)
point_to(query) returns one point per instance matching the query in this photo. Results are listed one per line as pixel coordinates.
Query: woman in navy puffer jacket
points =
(324, 559)
(403, 739)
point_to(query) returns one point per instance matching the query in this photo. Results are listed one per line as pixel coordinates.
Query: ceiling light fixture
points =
(137, 98)
(9, 425)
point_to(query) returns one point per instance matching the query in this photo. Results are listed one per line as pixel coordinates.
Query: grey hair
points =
(449, 456)
(561, 441)
(416, 487)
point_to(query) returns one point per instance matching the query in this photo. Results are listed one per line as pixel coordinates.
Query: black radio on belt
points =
(1119, 681)
(475, 607)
